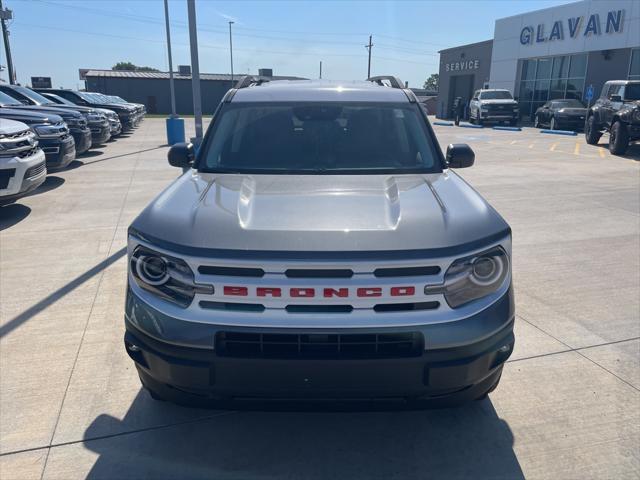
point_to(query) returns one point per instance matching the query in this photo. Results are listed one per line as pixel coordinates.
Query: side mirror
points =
(615, 98)
(460, 155)
(181, 155)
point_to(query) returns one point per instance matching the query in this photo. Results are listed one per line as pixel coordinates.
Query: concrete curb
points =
(444, 124)
(560, 132)
(509, 129)
(470, 125)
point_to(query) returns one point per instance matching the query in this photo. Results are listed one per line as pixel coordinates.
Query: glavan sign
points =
(574, 27)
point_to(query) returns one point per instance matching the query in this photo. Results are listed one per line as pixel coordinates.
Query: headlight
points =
(95, 118)
(47, 131)
(636, 115)
(474, 277)
(167, 277)
(72, 122)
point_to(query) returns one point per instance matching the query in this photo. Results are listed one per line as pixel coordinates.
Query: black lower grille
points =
(319, 345)
(35, 170)
(5, 176)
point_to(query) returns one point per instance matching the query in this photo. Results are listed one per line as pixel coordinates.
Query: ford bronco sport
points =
(617, 111)
(319, 246)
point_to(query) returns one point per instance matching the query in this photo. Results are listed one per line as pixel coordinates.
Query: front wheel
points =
(536, 122)
(552, 124)
(618, 138)
(591, 132)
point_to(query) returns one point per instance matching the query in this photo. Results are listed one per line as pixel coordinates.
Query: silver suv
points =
(319, 246)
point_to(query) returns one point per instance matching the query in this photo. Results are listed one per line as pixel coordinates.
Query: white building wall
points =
(507, 48)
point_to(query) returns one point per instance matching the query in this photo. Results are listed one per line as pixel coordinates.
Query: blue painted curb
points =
(560, 132)
(444, 124)
(470, 125)
(509, 129)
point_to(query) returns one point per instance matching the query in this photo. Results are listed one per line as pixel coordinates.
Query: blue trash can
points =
(175, 130)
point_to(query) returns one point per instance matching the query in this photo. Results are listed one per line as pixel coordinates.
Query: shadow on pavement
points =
(466, 442)
(52, 298)
(13, 214)
(632, 153)
(84, 163)
(51, 183)
(92, 153)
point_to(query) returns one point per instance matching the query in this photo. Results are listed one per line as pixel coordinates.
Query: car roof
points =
(622, 82)
(319, 91)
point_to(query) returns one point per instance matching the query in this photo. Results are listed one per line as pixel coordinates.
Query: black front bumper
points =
(59, 152)
(82, 139)
(433, 377)
(100, 133)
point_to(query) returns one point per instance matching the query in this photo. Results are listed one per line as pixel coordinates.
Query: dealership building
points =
(559, 52)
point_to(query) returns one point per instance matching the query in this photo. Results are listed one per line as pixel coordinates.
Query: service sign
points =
(462, 65)
(573, 27)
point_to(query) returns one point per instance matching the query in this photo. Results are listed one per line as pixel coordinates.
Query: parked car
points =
(567, 114)
(51, 131)
(112, 117)
(493, 105)
(96, 121)
(617, 111)
(110, 99)
(75, 121)
(320, 246)
(22, 162)
(126, 114)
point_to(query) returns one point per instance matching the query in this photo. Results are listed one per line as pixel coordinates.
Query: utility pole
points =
(195, 71)
(368, 47)
(7, 15)
(231, 51)
(171, 86)
(320, 69)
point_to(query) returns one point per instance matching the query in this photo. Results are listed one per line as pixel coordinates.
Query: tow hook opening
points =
(135, 352)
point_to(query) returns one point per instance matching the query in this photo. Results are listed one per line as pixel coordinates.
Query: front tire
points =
(536, 122)
(618, 138)
(591, 132)
(552, 124)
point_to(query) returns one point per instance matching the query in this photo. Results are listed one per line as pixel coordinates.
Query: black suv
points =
(617, 111)
(14, 98)
(126, 113)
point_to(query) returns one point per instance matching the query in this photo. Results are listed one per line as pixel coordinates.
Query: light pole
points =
(171, 86)
(195, 71)
(231, 51)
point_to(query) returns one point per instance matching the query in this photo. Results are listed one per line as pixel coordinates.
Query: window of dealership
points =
(548, 78)
(634, 68)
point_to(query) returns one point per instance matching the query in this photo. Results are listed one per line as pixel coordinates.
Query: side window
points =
(476, 94)
(613, 90)
(605, 91)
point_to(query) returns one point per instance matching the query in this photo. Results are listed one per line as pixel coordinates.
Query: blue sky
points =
(57, 37)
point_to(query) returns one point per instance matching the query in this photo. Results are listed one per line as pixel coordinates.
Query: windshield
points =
(496, 95)
(6, 100)
(88, 97)
(569, 103)
(320, 138)
(33, 96)
(632, 91)
(59, 99)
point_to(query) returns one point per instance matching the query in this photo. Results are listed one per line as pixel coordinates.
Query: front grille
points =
(10, 136)
(28, 153)
(501, 108)
(35, 170)
(319, 345)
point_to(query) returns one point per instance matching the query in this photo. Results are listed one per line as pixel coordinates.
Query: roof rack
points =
(251, 81)
(393, 82)
(387, 81)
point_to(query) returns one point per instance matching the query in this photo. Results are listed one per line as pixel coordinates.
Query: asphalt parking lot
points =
(568, 405)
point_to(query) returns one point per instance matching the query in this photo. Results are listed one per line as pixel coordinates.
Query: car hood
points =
(116, 107)
(573, 111)
(8, 127)
(501, 101)
(25, 115)
(72, 108)
(319, 212)
(65, 114)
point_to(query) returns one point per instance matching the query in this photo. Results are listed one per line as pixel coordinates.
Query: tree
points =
(432, 82)
(132, 67)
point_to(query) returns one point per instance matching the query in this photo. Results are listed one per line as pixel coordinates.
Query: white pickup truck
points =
(22, 162)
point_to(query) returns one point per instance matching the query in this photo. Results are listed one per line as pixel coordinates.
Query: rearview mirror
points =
(181, 155)
(616, 98)
(460, 155)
